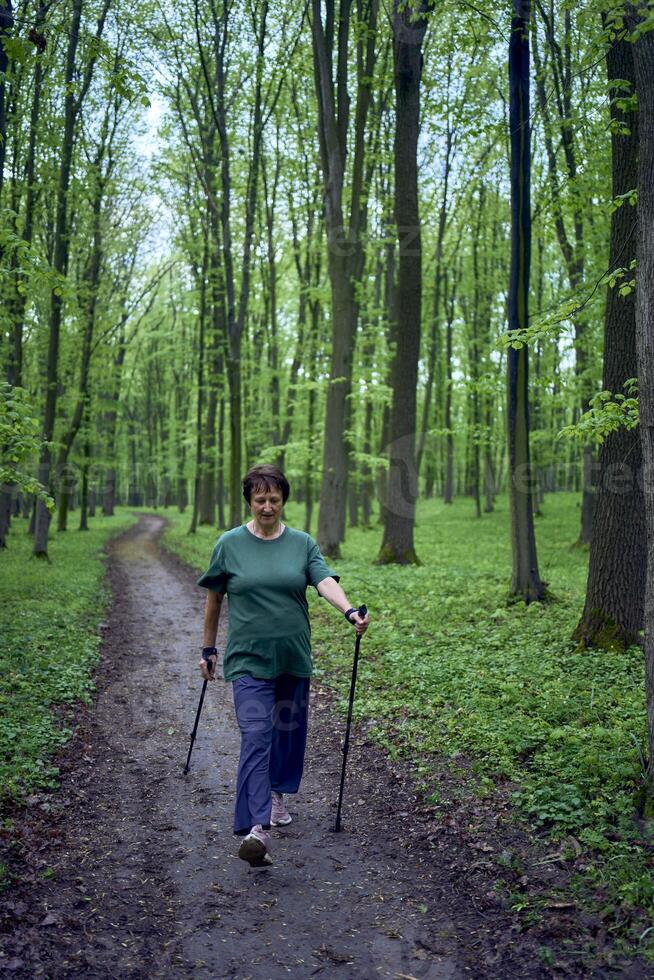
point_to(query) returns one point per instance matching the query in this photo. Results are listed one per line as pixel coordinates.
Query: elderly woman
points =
(264, 567)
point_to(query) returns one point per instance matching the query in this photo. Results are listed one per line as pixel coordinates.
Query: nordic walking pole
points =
(197, 718)
(362, 610)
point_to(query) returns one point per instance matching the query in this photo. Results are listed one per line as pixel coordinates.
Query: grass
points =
(450, 666)
(49, 643)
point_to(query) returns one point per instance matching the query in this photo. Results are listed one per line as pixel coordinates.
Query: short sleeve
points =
(215, 577)
(317, 567)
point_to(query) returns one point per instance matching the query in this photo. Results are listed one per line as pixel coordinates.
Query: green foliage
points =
(551, 323)
(545, 326)
(616, 22)
(26, 260)
(19, 442)
(129, 84)
(49, 613)
(619, 275)
(607, 413)
(18, 49)
(630, 197)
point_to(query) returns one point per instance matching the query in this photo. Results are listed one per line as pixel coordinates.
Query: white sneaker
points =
(255, 848)
(279, 816)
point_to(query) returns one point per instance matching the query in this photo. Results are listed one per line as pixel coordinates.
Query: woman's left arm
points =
(330, 590)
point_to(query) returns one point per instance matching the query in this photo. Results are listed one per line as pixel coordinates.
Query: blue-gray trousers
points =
(272, 716)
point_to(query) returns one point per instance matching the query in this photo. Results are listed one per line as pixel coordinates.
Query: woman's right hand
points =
(360, 623)
(209, 674)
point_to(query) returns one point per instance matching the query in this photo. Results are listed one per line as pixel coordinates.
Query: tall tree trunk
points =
(181, 417)
(449, 297)
(613, 611)
(110, 422)
(236, 317)
(270, 201)
(345, 251)
(375, 331)
(353, 495)
(296, 364)
(151, 472)
(367, 487)
(409, 26)
(73, 99)
(181, 411)
(134, 494)
(19, 302)
(391, 309)
(303, 266)
(61, 251)
(312, 357)
(474, 319)
(6, 27)
(487, 399)
(84, 497)
(207, 489)
(644, 71)
(434, 346)
(91, 283)
(202, 316)
(490, 488)
(526, 582)
(216, 349)
(220, 492)
(572, 250)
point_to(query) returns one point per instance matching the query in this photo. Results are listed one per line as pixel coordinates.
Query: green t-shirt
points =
(266, 581)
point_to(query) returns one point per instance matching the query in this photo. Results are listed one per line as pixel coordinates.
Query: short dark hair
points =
(265, 476)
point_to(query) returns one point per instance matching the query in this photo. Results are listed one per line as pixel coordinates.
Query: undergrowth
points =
(49, 641)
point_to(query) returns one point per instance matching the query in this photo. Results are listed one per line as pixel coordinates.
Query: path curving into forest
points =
(142, 874)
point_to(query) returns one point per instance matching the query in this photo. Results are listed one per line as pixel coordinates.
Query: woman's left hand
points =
(360, 623)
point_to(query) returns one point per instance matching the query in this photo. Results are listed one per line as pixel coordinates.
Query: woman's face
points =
(266, 504)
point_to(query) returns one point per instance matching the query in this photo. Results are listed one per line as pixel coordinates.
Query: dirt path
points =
(136, 864)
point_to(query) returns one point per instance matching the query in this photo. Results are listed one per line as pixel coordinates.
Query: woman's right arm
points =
(211, 616)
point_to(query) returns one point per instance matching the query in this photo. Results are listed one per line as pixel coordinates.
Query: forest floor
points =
(131, 869)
